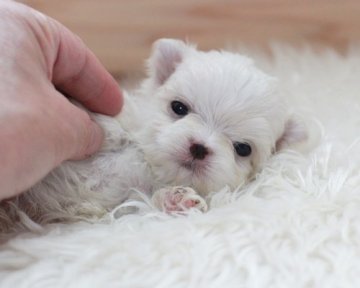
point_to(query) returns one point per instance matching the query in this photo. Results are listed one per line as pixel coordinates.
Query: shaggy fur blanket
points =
(296, 225)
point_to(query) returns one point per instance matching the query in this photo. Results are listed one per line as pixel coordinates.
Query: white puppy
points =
(201, 121)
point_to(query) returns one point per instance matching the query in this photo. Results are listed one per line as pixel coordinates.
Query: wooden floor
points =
(120, 32)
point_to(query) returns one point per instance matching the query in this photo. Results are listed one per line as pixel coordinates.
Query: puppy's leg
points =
(177, 199)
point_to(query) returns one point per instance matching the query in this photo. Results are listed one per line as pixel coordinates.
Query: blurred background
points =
(120, 32)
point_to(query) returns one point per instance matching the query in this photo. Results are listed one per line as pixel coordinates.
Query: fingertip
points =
(116, 101)
(95, 140)
(109, 101)
(91, 143)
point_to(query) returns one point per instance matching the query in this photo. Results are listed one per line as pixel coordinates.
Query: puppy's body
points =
(93, 186)
(201, 121)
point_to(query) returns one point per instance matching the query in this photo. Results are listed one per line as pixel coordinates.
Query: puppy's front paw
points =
(177, 199)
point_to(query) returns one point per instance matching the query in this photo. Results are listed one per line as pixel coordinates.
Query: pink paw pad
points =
(191, 203)
(179, 199)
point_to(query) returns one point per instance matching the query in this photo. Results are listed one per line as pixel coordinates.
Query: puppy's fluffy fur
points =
(148, 146)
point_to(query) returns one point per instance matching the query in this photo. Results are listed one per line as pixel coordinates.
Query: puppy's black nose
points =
(198, 151)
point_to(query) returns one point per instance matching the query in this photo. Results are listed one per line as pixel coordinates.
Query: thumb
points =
(79, 74)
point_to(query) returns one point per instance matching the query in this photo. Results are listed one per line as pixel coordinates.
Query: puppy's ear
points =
(295, 134)
(166, 55)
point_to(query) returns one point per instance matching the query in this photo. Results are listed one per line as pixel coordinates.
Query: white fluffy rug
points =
(297, 225)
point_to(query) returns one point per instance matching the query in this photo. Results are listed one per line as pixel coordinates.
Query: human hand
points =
(40, 61)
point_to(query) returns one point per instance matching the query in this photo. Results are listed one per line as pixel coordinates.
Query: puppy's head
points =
(212, 118)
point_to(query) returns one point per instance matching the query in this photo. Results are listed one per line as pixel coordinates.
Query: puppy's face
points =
(213, 118)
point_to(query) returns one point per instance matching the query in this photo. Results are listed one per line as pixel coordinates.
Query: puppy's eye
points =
(179, 108)
(242, 149)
